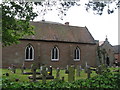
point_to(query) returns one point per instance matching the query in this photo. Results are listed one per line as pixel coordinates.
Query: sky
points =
(99, 26)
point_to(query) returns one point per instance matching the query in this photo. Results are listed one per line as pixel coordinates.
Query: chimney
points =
(43, 20)
(67, 23)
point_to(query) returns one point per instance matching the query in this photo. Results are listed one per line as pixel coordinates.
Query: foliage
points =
(107, 80)
(16, 18)
(62, 6)
(99, 6)
(16, 15)
(101, 53)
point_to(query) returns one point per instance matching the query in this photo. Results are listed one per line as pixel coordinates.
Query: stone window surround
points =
(55, 48)
(76, 54)
(77, 48)
(29, 47)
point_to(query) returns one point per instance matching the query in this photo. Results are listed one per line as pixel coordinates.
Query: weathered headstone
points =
(41, 67)
(9, 68)
(33, 67)
(13, 68)
(86, 66)
(66, 70)
(78, 68)
(71, 74)
(44, 74)
(22, 68)
(57, 74)
(99, 69)
(88, 72)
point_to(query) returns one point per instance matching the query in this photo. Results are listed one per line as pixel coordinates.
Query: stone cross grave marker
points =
(71, 74)
(44, 74)
(33, 67)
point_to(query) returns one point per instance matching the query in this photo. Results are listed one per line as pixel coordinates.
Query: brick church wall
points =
(15, 54)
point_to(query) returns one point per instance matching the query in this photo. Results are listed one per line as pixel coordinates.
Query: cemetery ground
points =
(109, 79)
(13, 76)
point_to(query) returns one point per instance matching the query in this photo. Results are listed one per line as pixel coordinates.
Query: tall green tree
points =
(16, 18)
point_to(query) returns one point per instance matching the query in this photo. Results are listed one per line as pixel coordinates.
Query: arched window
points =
(55, 54)
(77, 54)
(29, 53)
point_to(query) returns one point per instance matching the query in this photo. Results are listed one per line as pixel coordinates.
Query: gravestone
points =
(78, 69)
(44, 74)
(66, 70)
(22, 68)
(57, 74)
(86, 66)
(41, 69)
(50, 70)
(99, 70)
(13, 68)
(88, 72)
(9, 68)
(33, 68)
(71, 74)
(63, 79)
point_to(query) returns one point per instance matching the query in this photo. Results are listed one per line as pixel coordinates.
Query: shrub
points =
(107, 80)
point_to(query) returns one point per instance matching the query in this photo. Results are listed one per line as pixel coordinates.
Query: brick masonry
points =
(15, 54)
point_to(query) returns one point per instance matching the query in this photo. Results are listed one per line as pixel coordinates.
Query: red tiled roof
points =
(60, 32)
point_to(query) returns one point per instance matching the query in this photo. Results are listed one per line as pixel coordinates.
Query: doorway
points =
(107, 61)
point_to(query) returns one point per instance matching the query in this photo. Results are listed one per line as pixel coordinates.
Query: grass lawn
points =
(108, 80)
(22, 77)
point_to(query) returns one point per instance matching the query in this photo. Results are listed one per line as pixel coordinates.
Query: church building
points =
(106, 53)
(53, 44)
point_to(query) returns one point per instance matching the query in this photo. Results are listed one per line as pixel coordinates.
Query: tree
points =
(98, 6)
(16, 16)
(16, 21)
(62, 6)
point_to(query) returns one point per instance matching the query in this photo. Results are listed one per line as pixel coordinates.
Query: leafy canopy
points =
(16, 21)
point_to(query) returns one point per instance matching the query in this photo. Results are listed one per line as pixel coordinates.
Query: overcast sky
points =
(99, 26)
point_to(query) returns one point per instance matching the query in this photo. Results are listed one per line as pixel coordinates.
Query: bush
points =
(107, 80)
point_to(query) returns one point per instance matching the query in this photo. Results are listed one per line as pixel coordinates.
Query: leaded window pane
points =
(31, 53)
(27, 53)
(55, 53)
(77, 53)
